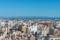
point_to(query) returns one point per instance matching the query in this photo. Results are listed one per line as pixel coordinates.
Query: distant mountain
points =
(32, 17)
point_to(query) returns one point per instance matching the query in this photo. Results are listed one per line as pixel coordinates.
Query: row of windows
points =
(54, 38)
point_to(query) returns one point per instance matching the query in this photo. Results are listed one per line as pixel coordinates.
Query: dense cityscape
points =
(26, 29)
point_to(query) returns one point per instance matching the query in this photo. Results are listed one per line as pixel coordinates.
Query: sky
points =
(15, 8)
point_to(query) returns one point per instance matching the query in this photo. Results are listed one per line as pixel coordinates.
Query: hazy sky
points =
(49, 8)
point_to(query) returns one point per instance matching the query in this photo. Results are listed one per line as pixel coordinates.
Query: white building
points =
(3, 23)
(58, 24)
(33, 28)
